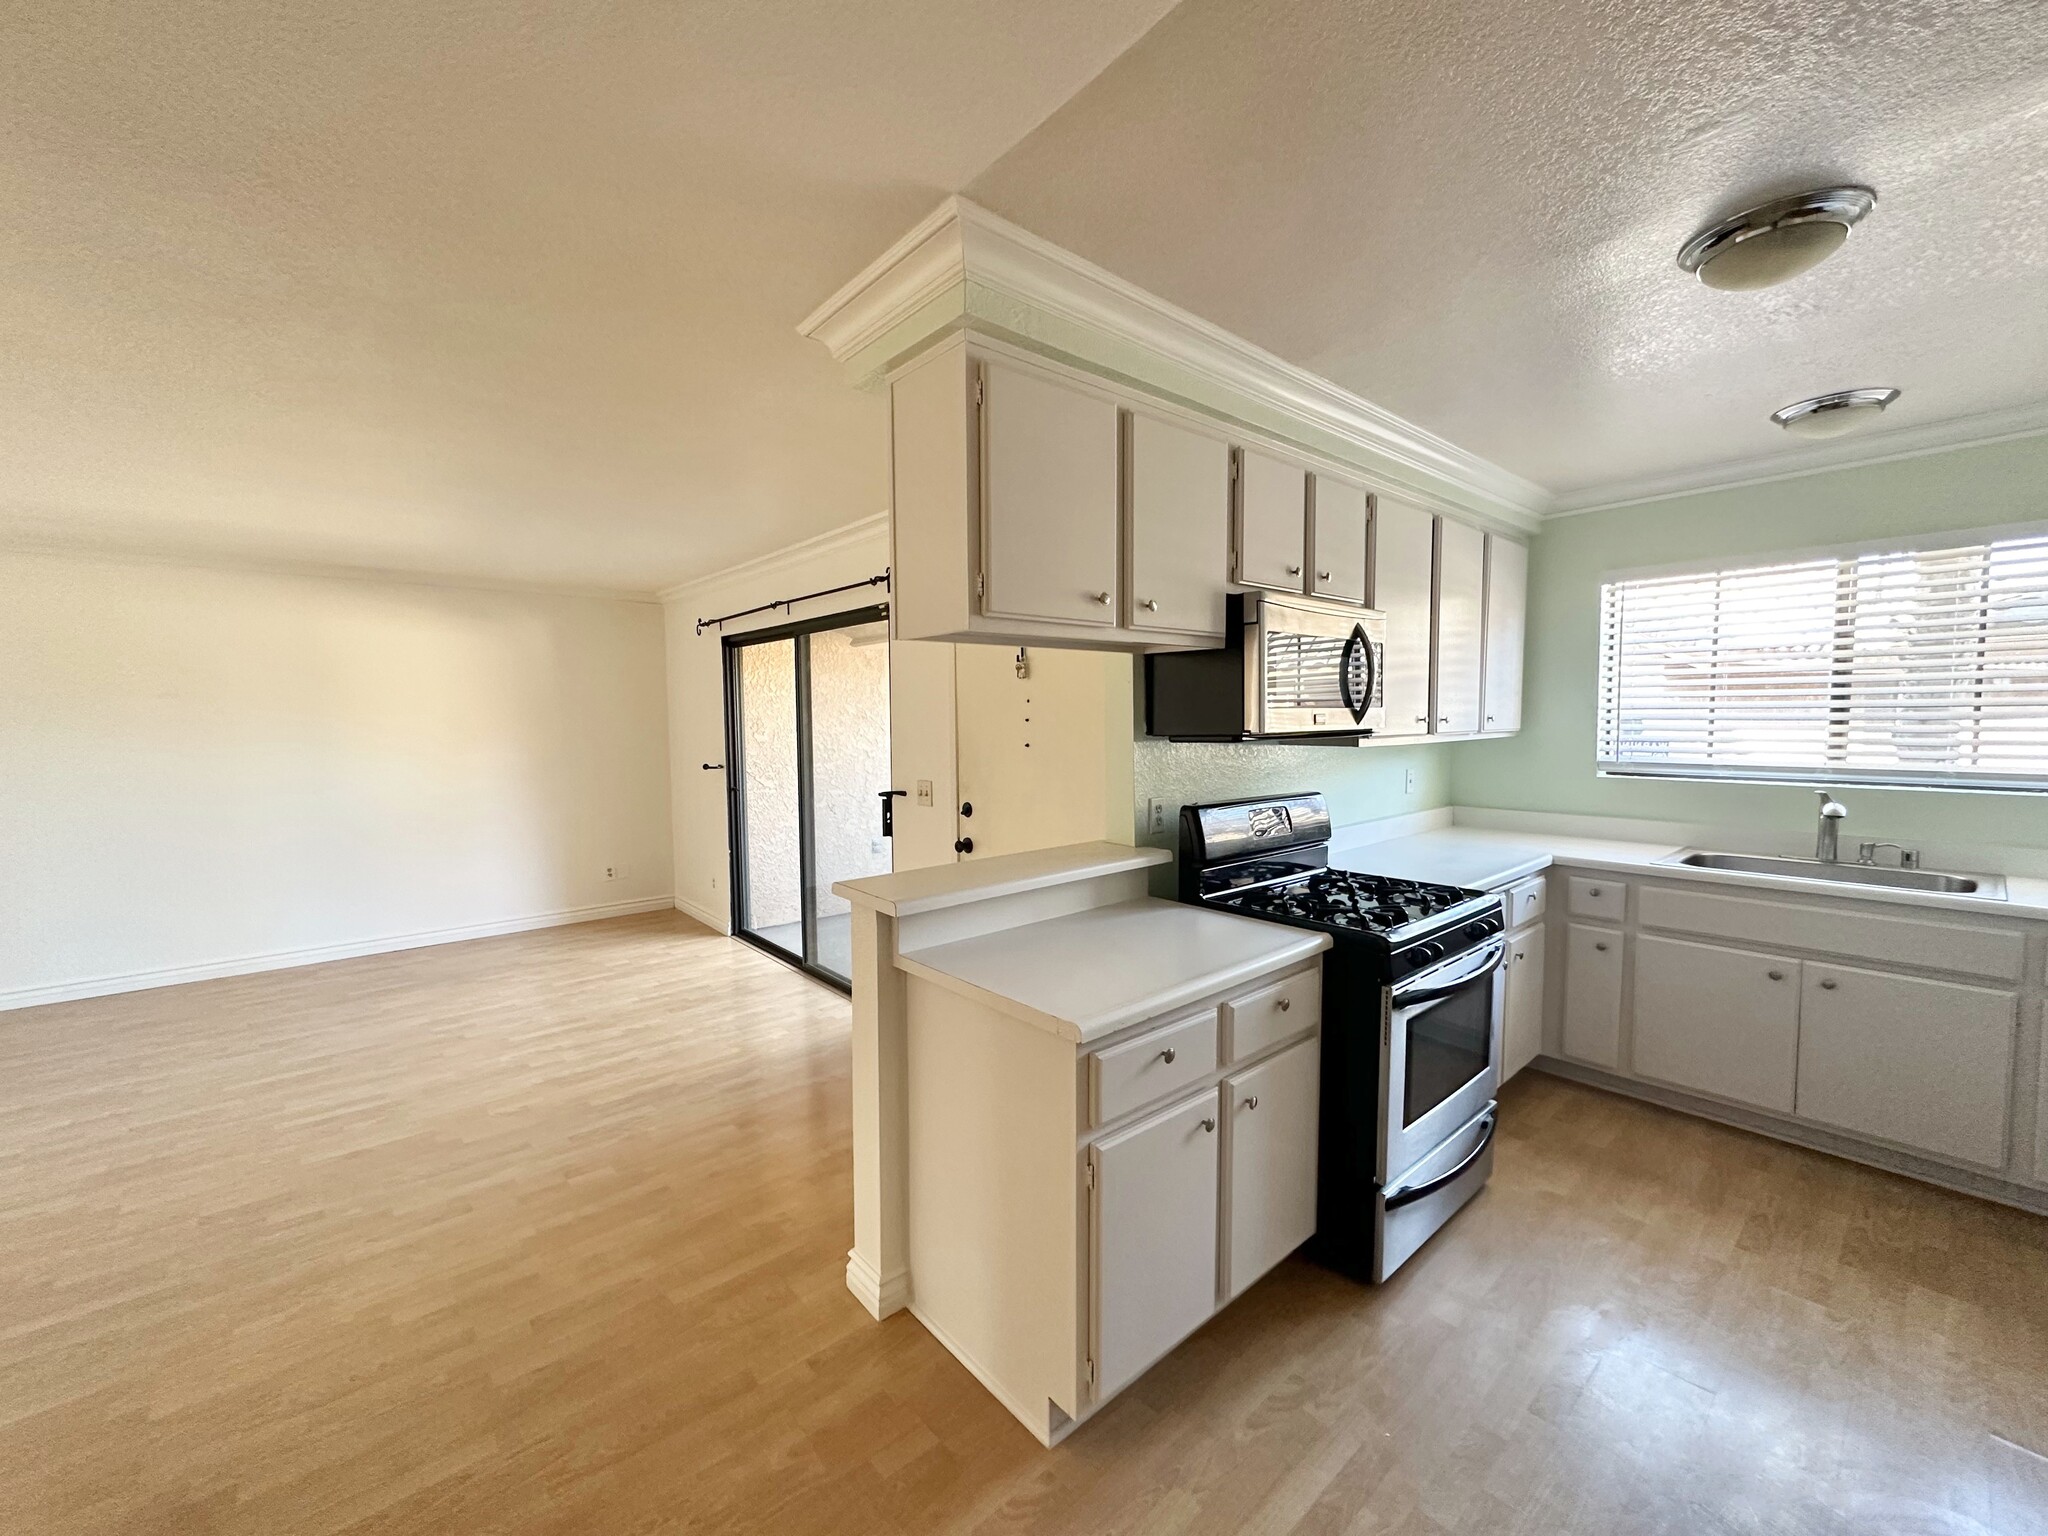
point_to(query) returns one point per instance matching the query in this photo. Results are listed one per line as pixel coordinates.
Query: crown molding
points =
(961, 244)
(844, 537)
(1902, 443)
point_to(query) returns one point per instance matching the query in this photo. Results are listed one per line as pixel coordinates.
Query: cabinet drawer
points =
(1160, 1061)
(1288, 1007)
(1525, 901)
(1597, 898)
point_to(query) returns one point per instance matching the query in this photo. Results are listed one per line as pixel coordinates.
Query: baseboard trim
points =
(882, 1298)
(716, 922)
(1963, 1181)
(288, 959)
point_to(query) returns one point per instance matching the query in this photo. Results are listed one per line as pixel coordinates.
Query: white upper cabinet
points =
(1177, 526)
(1507, 620)
(1404, 560)
(1460, 611)
(1049, 498)
(1272, 521)
(1340, 517)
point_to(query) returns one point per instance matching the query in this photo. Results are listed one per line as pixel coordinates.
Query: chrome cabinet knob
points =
(1209, 1124)
(1167, 1055)
(1322, 575)
(1103, 598)
(1602, 947)
(1284, 1004)
(1294, 570)
(1150, 605)
(1777, 975)
(1422, 719)
(1827, 986)
(1252, 1102)
(1592, 890)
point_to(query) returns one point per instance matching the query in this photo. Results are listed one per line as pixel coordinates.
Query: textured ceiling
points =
(509, 290)
(498, 290)
(1468, 211)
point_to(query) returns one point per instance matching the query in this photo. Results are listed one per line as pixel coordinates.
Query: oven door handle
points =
(1445, 1180)
(1441, 985)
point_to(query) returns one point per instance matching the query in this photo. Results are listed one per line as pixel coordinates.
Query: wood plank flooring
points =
(546, 1234)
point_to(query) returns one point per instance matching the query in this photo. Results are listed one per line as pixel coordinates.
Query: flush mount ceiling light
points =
(1775, 241)
(1846, 410)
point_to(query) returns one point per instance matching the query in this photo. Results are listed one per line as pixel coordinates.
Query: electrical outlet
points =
(1155, 817)
(611, 871)
(924, 791)
(1408, 782)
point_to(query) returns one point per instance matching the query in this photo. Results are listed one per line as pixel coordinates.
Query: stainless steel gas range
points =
(1411, 1021)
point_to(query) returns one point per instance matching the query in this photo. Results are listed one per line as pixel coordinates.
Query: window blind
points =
(1923, 667)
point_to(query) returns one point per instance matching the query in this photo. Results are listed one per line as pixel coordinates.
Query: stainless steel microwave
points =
(1293, 668)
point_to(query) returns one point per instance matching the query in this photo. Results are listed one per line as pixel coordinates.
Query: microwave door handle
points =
(1358, 704)
(1443, 987)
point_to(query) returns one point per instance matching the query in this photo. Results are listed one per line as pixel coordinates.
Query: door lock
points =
(889, 798)
(963, 845)
(966, 807)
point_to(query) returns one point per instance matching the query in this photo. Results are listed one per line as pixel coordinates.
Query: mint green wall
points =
(1549, 765)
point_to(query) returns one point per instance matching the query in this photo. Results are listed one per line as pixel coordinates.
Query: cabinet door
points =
(1049, 498)
(1460, 607)
(1722, 1021)
(1592, 995)
(1507, 623)
(1155, 1238)
(1340, 514)
(1178, 529)
(1403, 567)
(1522, 1026)
(1272, 521)
(1925, 1064)
(1272, 1113)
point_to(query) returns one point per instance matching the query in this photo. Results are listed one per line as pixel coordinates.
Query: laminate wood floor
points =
(547, 1234)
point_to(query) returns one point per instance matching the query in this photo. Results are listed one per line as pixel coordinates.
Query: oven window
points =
(1449, 1044)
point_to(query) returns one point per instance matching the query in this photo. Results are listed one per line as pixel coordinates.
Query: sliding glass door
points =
(807, 754)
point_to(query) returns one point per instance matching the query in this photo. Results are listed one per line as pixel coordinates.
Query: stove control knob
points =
(1428, 954)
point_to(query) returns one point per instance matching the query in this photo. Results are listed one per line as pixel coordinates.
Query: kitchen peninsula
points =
(1084, 1119)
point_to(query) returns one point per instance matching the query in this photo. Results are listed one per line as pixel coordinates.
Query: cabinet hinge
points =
(978, 382)
(980, 583)
(1091, 1175)
(1091, 1373)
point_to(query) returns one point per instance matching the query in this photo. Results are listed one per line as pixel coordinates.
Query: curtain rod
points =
(788, 604)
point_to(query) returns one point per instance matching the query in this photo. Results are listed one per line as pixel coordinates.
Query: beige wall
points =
(205, 771)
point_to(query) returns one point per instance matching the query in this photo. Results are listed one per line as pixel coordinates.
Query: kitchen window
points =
(1910, 666)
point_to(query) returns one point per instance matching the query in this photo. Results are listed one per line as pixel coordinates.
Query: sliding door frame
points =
(800, 631)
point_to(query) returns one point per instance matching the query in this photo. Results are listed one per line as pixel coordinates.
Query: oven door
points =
(1441, 1047)
(1314, 669)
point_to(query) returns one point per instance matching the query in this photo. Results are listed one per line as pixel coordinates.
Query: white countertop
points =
(1089, 974)
(1486, 860)
(953, 885)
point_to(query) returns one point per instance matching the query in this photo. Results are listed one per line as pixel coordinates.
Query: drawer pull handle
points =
(1520, 956)
(1209, 1124)
(1322, 575)
(1167, 1055)
(1827, 986)
(1592, 890)
(1777, 975)
(1294, 570)
(1284, 1004)
(1103, 598)
(1602, 947)
(1252, 1102)
(1150, 605)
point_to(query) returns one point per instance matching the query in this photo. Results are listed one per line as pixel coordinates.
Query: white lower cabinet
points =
(1271, 1113)
(1522, 1010)
(1156, 1194)
(1592, 994)
(1720, 1021)
(1923, 1064)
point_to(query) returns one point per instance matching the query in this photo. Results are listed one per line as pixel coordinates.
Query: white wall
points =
(206, 771)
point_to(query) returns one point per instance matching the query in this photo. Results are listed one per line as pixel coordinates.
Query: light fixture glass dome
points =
(1834, 415)
(1775, 241)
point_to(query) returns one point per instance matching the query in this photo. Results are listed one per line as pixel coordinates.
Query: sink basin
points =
(1991, 887)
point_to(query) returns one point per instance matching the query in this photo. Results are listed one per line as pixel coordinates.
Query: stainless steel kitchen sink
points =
(1991, 887)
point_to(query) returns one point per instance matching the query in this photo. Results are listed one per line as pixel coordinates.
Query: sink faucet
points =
(1827, 843)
